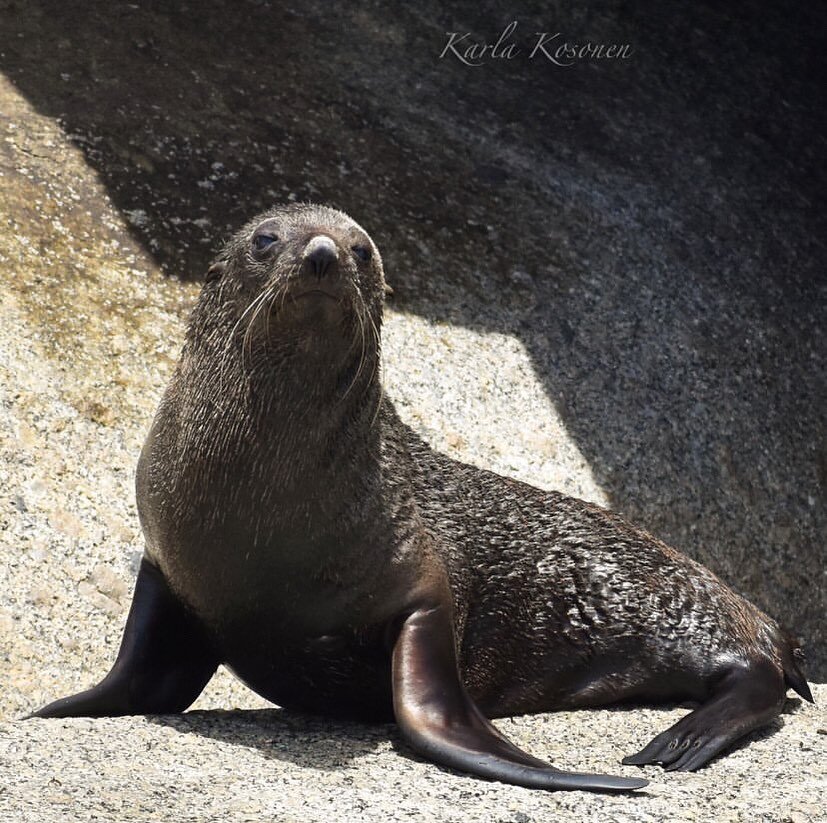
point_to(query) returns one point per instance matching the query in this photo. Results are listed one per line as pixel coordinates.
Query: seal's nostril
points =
(320, 255)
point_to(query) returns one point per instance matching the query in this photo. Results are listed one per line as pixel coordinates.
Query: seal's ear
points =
(215, 271)
(388, 290)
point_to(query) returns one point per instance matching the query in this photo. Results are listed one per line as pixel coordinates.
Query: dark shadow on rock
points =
(306, 740)
(315, 742)
(652, 229)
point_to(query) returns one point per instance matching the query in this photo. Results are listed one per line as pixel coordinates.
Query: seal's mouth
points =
(330, 294)
(322, 302)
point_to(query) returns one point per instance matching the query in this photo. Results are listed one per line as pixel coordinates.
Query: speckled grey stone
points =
(608, 281)
(648, 232)
(273, 765)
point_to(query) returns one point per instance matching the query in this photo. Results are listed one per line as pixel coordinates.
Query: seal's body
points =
(300, 533)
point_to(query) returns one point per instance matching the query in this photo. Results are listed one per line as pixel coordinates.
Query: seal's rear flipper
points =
(164, 662)
(747, 697)
(439, 720)
(791, 658)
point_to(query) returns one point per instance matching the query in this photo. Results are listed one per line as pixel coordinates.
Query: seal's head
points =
(297, 281)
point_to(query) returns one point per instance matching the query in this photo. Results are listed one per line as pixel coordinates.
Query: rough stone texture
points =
(650, 230)
(609, 279)
(273, 765)
(89, 333)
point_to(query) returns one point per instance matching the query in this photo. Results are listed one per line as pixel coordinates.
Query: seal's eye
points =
(362, 252)
(264, 241)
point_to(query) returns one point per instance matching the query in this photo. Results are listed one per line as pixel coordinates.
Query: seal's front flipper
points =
(747, 697)
(164, 662)
(439, 720)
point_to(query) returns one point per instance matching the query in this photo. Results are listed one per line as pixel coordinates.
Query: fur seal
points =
(299, 533)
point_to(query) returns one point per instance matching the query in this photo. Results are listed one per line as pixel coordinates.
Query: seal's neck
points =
(316, 443)
(291, 410)
(317, 405)
(292, 417)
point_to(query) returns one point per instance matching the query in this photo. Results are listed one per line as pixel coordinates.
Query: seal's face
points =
(310, 253)
(301, 278)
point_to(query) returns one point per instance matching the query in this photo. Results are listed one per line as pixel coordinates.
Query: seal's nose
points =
(320, 255)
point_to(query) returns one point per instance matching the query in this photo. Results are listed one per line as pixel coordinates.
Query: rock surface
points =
(272, 765)
(649, 230)
(609, 280)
